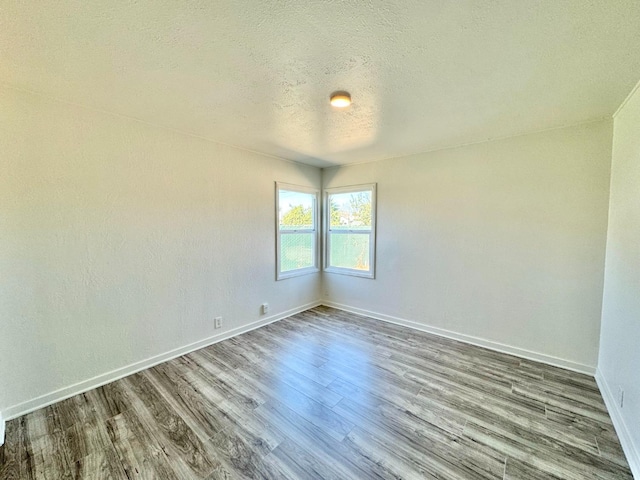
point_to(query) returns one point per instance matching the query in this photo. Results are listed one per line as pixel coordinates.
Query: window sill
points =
(351, 272)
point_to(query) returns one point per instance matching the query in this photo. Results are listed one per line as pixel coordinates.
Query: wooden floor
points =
(326, 394)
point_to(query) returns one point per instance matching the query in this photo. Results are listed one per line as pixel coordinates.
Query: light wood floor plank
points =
(11, 452)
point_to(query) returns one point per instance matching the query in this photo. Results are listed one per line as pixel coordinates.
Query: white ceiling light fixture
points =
(340, 99)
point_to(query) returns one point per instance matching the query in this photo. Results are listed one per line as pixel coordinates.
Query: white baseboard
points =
(2, 424)
(631, 451)
(97, 381)
(481, 342)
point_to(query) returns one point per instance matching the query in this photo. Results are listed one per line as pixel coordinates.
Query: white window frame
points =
(371, 273)
(315, 231)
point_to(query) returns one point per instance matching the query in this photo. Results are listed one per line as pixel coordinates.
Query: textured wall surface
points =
(424, 74)
(503, 240)
(121, 241)
(619, 361)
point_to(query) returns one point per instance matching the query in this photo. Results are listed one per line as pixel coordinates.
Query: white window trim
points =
(315, 231)
(372, 234)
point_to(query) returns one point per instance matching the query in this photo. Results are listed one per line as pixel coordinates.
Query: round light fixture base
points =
(340, 99)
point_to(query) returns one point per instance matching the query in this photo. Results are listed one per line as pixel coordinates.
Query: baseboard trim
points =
(2, 424)
(481, 342)
(99, 380)
(631, 451)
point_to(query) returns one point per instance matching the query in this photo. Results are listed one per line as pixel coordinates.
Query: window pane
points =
(296, 210)
(350, 211)
(349, 250)
(296, 251)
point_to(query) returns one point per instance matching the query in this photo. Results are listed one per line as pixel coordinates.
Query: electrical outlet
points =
(620, 397)
(265, 308)
(217, 322)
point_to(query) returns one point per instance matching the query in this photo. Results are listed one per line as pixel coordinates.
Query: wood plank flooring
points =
(331, 395)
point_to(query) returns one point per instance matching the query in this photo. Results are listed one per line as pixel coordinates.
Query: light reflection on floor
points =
(352, 361)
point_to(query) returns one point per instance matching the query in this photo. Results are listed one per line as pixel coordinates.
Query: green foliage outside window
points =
(298, 216)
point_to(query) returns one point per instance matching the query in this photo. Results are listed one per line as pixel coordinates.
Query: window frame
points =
(327, 267)
(315, 231)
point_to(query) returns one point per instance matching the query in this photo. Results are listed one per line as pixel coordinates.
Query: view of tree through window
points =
(297, 231)
(298, 217)
(350, 230)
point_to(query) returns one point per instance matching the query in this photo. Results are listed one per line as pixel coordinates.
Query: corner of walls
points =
(619, 330)
(622, 429)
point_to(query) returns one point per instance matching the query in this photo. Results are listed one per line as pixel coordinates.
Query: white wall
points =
(619, 361)
(503, 241)
(120, 241)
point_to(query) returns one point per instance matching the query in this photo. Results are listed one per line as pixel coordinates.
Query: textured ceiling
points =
(423, 74)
